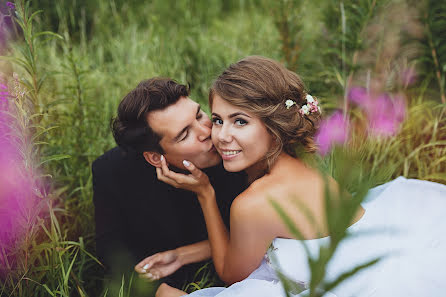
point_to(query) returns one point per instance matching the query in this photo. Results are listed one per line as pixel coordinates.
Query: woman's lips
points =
(229, 154)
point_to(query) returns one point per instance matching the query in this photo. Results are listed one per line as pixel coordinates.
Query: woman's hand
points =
(159, 265)
(197, 181)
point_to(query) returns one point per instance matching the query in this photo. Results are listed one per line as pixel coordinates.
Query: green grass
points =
(104, 48)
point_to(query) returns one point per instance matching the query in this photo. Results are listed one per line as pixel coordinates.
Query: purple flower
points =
(10, 5)
(385, 115)
(17, 188)
(333, 131)
(358, 95)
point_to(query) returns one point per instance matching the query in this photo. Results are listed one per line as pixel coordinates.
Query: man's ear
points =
(153, 158)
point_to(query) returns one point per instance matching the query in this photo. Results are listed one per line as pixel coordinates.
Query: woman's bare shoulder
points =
(252, 203)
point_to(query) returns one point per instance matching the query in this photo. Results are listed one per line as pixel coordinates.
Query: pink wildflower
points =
(17, 198)
(333, 131)
(358, 95)
(384, 113)
(10, 5)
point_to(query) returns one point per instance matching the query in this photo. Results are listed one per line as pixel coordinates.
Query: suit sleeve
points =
(227, 189)
(109, 227)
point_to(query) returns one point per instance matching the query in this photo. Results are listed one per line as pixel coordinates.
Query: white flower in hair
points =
(309, 98)
(305, 109)
(289, 103)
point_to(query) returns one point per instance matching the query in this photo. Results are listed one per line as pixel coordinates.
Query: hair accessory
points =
(310, 107)
(290, 103)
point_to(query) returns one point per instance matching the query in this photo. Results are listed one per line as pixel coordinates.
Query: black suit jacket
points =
(137, 215)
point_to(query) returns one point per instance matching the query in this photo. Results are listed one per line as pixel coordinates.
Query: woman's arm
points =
(217, 232)
(237, 255)
(198, 182)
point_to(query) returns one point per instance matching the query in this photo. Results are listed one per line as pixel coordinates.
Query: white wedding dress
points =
(404, 221)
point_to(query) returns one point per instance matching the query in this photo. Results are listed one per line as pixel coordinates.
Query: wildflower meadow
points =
(377, 69)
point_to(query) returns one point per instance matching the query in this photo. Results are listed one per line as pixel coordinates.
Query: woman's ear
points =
(153, 158)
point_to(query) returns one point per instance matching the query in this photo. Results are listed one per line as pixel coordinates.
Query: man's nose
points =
(204, 130)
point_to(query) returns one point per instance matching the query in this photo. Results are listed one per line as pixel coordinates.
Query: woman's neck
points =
(256, 171)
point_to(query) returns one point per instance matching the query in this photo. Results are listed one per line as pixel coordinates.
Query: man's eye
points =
(185, 136)
(217, 121)
(241, 122)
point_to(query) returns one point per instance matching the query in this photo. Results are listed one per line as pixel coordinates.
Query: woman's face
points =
(241, 138)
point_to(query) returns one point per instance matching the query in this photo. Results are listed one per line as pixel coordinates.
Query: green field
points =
(69, 80)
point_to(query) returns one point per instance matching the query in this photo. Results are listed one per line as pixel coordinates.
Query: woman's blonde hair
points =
(261, 86)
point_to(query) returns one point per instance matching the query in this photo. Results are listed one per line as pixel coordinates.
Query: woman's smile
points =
(227, 155)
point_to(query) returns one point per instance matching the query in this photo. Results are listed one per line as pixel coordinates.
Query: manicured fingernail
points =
(186, 163)
(162, 157)
(149, 275)
(143, 270)
(145, 266)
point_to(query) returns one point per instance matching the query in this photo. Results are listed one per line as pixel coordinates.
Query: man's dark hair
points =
(130, 127)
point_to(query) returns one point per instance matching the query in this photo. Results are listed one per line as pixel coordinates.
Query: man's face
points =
(185, 132)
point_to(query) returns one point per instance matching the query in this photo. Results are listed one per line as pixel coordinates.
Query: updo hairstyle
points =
(261, 86)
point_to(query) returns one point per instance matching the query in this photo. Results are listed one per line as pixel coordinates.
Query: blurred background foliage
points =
(99, 50)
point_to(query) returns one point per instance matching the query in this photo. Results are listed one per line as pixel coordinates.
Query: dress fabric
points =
(404, 223)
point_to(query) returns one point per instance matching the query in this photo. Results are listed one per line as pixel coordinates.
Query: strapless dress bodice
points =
(404, 225)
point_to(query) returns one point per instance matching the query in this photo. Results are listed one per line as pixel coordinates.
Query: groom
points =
(137, 215)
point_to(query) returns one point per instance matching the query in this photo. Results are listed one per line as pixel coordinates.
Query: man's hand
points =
(159, 265)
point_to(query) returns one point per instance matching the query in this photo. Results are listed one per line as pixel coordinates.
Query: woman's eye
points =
(241, 122)
(217, 121)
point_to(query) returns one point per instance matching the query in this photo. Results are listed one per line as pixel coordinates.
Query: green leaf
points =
(69, 269)
(53, 158)
(346, 275)
(48, 33)
(34, 15)
(287, 220)
(41, 132)
(48, 290)
(41, 81)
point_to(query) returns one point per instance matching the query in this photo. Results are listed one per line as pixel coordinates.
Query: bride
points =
(260, 112)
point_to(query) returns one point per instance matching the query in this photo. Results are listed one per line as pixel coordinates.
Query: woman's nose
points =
(224, 135)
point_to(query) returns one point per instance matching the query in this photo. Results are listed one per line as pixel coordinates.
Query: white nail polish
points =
(162, 157)
(145, 266)
(186, 163)
(143, 270)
